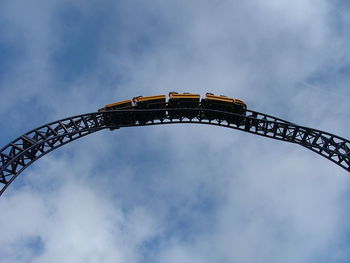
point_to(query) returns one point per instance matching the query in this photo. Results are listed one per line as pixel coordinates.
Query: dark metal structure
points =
(29, 147)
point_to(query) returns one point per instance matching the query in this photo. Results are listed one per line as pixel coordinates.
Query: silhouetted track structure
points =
(29, 147)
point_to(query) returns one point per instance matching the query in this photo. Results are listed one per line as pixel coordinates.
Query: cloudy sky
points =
(178, 193)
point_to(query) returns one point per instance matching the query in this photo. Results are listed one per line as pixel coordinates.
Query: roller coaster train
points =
(155, 110)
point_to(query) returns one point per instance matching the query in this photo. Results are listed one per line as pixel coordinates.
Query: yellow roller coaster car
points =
(183, 96)
(117, 105)
(220, 99)
(122, 118)
(239, 106)
(183, 100)
(225, 105)
(149, 102)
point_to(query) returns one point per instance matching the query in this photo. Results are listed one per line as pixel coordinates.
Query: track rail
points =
(29, 147)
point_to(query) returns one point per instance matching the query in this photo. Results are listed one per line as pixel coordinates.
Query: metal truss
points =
(29, 147)
(23, 151)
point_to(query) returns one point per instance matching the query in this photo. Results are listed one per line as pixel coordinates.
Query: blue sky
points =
(178, 193)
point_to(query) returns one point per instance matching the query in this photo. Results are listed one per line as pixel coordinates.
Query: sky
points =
(176, 193)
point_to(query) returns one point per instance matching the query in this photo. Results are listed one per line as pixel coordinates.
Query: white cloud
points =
(180, 193)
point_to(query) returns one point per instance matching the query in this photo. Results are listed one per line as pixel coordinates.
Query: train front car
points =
(226, 106)
(239, 107)
(148, 103)
(115, 118)
(183, 100)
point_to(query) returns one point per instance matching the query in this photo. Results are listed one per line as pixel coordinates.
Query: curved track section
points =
(26, 149)
(22, 152)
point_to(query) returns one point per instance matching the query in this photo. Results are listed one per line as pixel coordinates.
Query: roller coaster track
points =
(29, 147)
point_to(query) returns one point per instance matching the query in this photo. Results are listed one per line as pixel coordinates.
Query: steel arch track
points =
(29, 147)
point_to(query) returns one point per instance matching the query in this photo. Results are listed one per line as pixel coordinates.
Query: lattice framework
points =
(29, 147)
